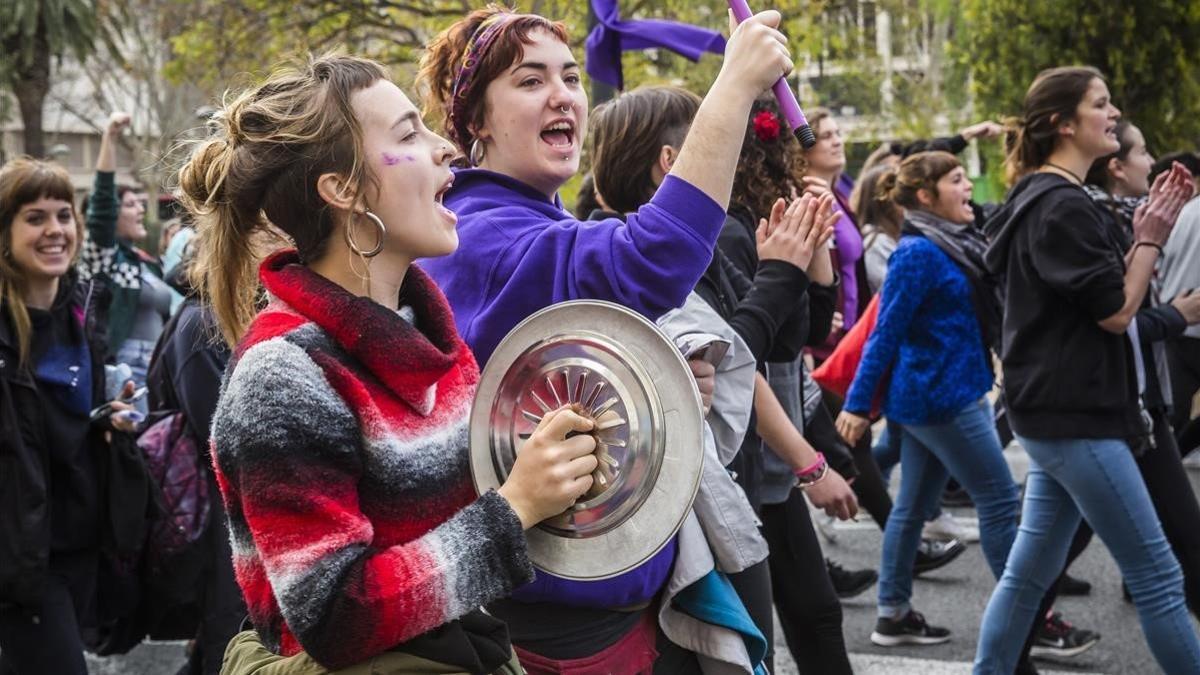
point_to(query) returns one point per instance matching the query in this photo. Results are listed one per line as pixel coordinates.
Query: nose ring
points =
(564, 108)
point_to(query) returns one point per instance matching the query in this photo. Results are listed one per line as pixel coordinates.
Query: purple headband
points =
(480, 42)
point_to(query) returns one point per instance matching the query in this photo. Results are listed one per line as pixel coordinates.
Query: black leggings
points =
(1176, 505)
(809, 610)
(48, 640)
(869, 486)
(753, 586)
(1183, 356)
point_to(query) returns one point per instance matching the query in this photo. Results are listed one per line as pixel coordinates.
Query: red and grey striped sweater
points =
(341, 452)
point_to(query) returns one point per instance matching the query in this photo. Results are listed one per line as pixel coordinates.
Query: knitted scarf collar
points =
(963, 243)
(408, 358)
(1121, 207)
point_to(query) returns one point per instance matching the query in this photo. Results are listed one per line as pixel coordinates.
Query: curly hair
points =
(767, 170)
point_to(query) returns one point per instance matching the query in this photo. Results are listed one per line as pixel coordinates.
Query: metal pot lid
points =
(620, 369)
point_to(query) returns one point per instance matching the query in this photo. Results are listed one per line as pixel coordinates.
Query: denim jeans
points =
(967, 448)
(886, 451)
(1099, 478)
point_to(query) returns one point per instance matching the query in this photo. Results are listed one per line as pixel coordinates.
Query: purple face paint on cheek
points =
(390, 160)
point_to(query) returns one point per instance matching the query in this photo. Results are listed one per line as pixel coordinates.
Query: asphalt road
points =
(953, 597)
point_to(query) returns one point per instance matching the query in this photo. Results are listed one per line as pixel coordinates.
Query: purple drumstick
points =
(783, 93)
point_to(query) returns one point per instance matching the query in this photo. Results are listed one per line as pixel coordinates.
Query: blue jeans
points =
(967, 448)
(1100, 479)
(886, 452)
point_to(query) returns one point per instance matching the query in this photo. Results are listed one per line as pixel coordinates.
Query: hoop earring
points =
(478, 150)
(378, 245)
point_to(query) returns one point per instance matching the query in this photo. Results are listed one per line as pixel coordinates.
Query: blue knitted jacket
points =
(927, 335)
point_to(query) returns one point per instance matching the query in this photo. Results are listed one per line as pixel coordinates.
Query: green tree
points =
(1148, 50)
(33, 33)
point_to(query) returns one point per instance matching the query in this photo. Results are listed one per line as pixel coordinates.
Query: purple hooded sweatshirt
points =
(520, 252)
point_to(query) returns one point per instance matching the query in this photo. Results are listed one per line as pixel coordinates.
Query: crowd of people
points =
(256, 439)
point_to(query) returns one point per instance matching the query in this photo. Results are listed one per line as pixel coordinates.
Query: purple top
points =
(520, 252)
(843, 186)
(849, 251)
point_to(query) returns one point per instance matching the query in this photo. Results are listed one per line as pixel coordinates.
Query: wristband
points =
(1157, 247)
(809, 481)
(812, 468)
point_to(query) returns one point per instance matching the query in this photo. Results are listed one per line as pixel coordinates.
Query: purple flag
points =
(611, 36)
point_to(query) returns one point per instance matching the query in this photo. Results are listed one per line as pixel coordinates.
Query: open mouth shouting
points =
(439, 198)
(560, 134)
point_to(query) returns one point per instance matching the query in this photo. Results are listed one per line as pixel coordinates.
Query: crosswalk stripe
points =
(877, 664)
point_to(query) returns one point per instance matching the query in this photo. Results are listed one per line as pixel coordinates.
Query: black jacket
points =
(767, 311)
(187, 366)
(813, 316)
(1063, 269)
(1156, 323)
(27, 495)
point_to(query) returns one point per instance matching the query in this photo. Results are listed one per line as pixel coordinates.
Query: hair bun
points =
(885, 189)
(202, 179)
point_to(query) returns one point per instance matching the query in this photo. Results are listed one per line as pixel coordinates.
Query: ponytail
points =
(1050, 101)
(224, 265)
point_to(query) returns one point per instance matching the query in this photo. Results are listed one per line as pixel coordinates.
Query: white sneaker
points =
(946, 527)
(824, 524)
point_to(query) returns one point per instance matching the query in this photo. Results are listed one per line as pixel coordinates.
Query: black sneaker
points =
(911, 630)
(956, 498)
(934, 554)
(849, 583)
(1057, 638)
(1069, 585)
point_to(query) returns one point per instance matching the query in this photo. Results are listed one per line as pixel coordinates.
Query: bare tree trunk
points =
(30, 83)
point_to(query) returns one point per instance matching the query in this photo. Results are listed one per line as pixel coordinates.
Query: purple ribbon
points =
(612, 35)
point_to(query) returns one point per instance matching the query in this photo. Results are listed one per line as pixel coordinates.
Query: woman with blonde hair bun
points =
(354, 384)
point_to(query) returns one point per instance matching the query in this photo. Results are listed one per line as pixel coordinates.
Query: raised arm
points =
(755, 57)
(103, 208)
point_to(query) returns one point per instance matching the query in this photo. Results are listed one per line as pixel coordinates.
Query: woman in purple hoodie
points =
(510, 93)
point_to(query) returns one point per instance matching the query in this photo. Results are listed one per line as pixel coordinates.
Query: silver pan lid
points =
(620, 369)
